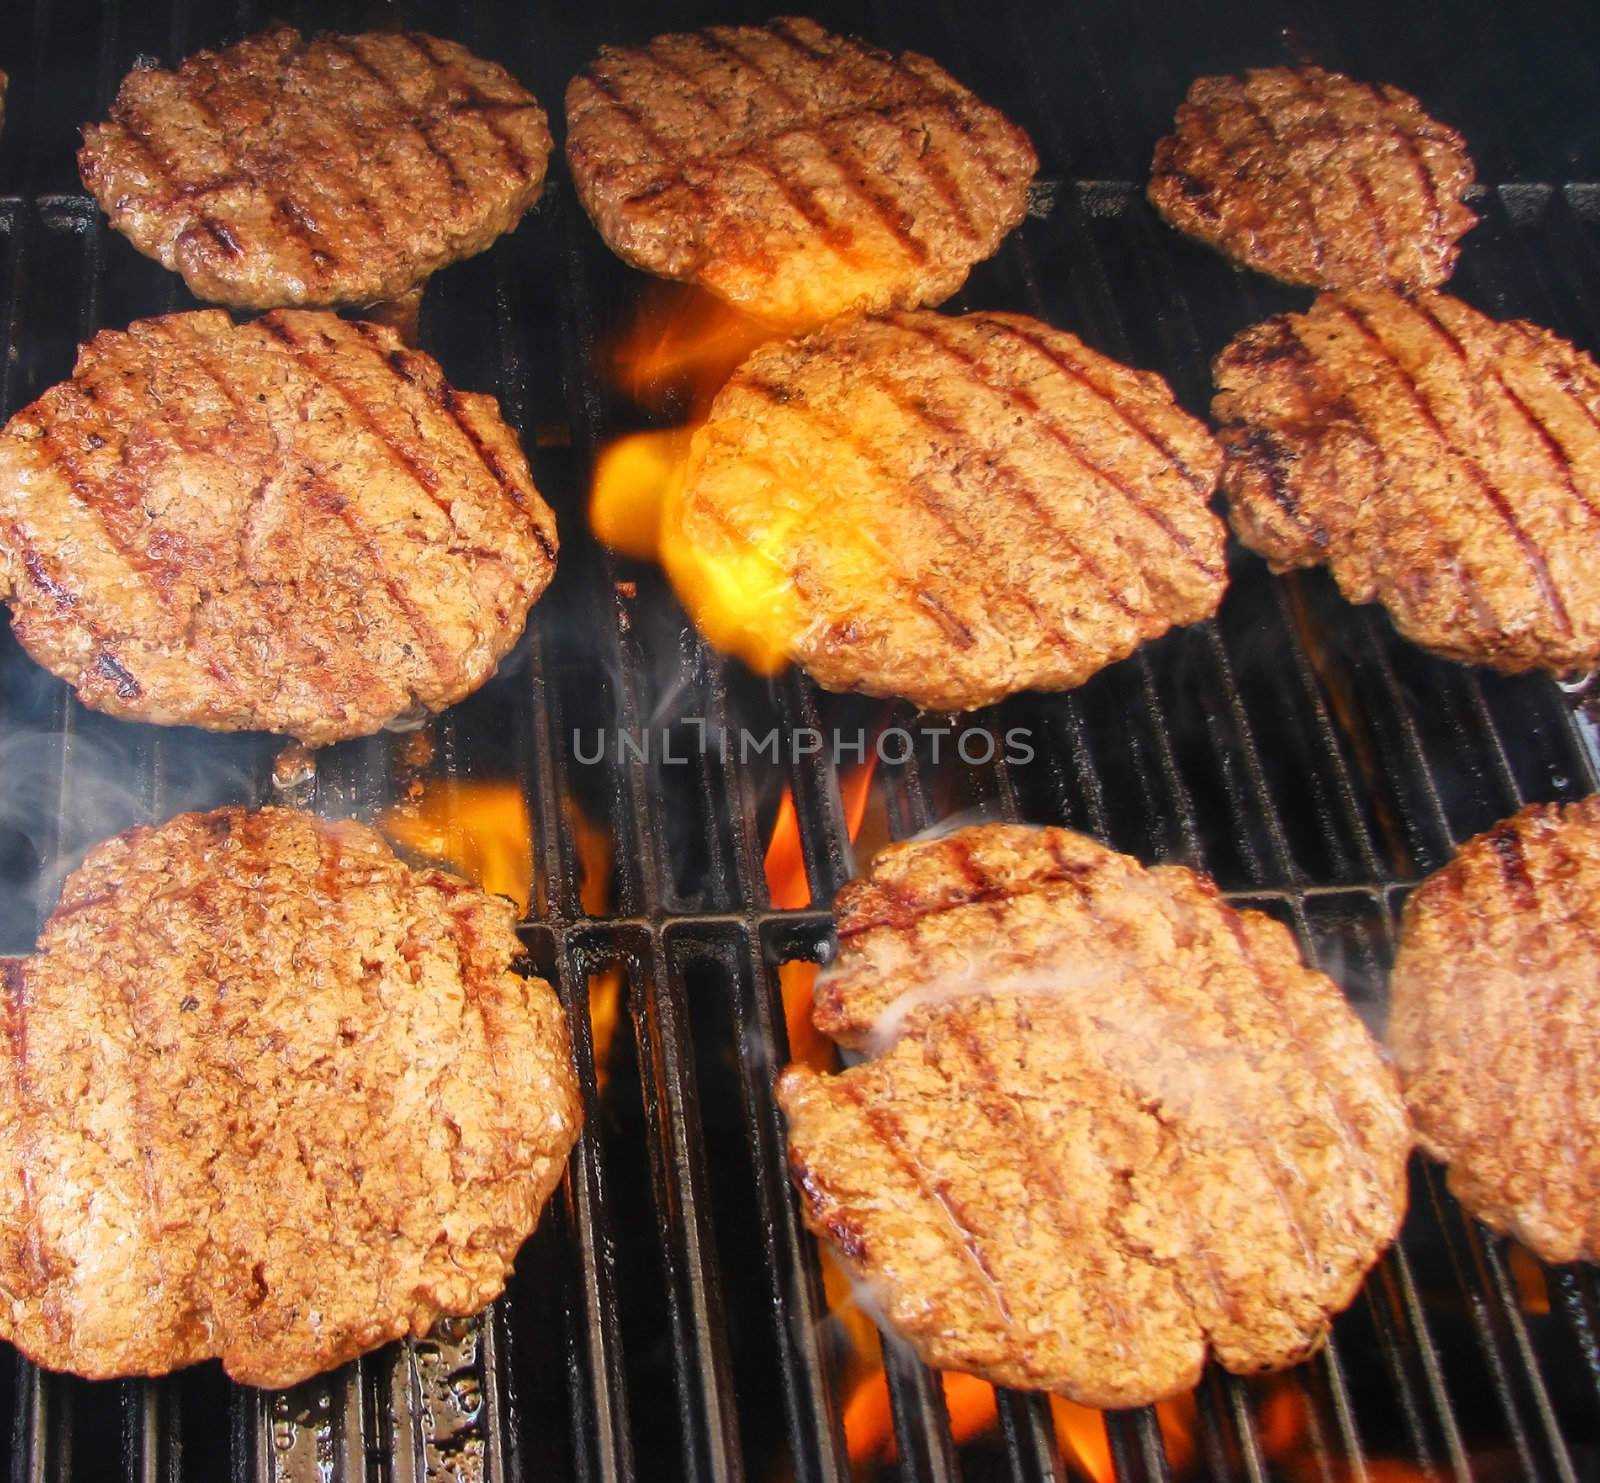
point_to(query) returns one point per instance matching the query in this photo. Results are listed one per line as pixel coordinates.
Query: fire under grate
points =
(670, 1318)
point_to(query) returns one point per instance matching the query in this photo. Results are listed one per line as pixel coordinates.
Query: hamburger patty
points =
(1109, 1126)
(796, 173)
(1437, 461)
(293, 525)
(271, 1097)
(341, 170)
(946, 509)
(1494, 1021)
(1315, 178)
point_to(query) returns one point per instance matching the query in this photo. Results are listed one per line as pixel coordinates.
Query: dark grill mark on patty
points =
(112, 668)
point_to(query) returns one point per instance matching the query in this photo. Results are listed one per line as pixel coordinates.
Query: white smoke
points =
(61, 794)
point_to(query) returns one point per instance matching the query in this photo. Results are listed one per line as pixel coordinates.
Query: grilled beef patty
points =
(1494, 1021)
(290, 525)
(340, 170)
(1109, 1126)
(270, 1096)
(1316, 178)
(1437, 461)
(951, 509)
(796, 173)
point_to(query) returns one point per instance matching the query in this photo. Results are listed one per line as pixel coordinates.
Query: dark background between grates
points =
(667, 1319)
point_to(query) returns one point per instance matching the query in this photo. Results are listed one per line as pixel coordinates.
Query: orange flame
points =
(680, 350)
(789, 890)
(1178, 1419)
(970, 1402)
(592, 844)
(480, 829)
(1081, 1436)
(869, 1418)
(785, 863)
(1532, 1290)
(1080, 1431)
(682, 345)
(739, 595)
(1283, 1418)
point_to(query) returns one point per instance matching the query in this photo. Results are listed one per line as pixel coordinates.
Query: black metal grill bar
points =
(1029, 1436)
(1467, 1255)
(1575, 1288)
(603, 1440)
(921, 1423)
(1182, 345)
(739, 787)
(1492, 1255)
(700, 1358)
(1332, 1365)
(1245, 1427)
(795, 1289)
(1380, 1295)
(1428, 1353)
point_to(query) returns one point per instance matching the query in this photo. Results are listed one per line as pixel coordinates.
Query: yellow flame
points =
(741, 598)
(681, 348)
(632, 480)
(592, 845)
(682, 345)
(480, 829)
(740, 595)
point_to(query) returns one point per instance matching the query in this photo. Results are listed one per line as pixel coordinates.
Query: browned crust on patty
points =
(1437, 461)
(270, 1096)
(1316, 178)
(290, 525)
(796, 173)
(336, 170)
(961, 507)
(1494, 1022)
(1110, 1125)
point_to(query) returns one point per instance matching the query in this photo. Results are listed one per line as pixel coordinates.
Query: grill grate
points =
(669, 1319)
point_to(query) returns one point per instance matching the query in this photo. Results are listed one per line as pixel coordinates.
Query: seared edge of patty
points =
(1437, 461)
(1495, 1025)
(314, 172)
(271, 1097)
(1110, 1123)
(797, 173)
(1316, 178)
